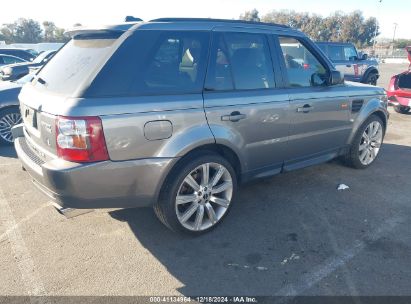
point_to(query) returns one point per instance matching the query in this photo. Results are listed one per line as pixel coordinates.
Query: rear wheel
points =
(402, 109)
(366, 144)
(372, 79)
(197, 194)
(8, 119)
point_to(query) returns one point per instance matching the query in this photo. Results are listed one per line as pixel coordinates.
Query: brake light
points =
(80, 139)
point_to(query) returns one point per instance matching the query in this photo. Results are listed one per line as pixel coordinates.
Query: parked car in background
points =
(354, 65)
(27, 55)
(18, 70)
(177, 113)
(399, 89)
(9, 107)
(9, 59)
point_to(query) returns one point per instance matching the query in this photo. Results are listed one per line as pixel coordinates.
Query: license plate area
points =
(30, 117)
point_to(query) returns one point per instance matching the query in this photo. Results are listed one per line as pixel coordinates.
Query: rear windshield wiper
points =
(41, 81)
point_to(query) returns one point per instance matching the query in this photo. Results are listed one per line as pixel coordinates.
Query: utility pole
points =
(376, 27)
(395, 29)
(393, 39)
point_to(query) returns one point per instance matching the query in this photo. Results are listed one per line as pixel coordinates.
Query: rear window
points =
(155, 63)
(76, 62)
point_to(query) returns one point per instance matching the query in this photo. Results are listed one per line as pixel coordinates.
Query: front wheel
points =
(366, 144)
(402, 109)
(197, 194)
(372, 79)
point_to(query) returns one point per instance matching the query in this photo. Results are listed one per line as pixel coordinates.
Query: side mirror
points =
(336, 77)
(364, 56)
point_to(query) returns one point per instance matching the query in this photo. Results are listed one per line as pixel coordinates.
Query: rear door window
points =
(240, 61)
(336, 53)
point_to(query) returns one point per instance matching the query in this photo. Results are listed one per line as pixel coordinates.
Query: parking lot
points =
(293, 234)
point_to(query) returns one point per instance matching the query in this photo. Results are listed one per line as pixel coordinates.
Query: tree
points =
(8, 32)
(49, 30)
(52, 33)
(27, 31)
(60, 36)
(338, 26)
(252, 15)
(399, 44)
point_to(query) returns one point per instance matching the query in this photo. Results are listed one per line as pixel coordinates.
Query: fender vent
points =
(356, 105)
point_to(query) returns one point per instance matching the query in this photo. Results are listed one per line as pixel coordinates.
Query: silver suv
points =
(177, 113)
(354, 65)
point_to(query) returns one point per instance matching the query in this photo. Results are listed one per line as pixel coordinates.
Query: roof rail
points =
(217, 20)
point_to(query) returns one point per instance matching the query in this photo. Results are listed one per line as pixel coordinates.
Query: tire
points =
(355, 157)
(371, 79)
(9, 117)
(402, 109)
(184, 215)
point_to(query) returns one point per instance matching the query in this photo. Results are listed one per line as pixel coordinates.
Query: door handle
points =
(234, 116)
(305, 108)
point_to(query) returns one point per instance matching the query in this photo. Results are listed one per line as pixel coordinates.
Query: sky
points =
(95, 12)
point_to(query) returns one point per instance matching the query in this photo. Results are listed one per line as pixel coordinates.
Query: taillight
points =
(356, 71)
(80, 139)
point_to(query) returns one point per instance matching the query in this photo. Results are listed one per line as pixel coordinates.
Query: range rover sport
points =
(178, 113)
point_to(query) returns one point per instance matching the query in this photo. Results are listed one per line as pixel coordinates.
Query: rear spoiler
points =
(83, 30)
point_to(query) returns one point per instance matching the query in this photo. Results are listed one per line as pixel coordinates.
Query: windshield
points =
(41, 57)
(75, 63)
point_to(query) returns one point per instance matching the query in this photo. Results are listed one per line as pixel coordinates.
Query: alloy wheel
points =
(370, 143)
(204, 196)
(6, 123)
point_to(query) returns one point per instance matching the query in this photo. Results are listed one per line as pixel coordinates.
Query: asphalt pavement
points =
(293, 234)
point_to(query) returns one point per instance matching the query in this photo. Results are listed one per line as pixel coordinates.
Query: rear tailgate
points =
(54, 89)
(39, 126)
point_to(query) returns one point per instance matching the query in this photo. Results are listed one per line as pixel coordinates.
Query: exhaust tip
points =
(70, 212)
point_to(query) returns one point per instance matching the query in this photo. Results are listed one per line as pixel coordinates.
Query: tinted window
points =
(350, 53)
(155, 62)
(11, 60)
(240, 61)
(303, 68)
(75, 63)
(336, 52)
(18, 53)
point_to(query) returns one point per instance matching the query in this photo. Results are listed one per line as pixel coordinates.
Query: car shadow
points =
(7, 151)
(281, 229)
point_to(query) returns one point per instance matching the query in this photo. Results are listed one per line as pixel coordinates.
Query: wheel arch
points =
(370, 70)
(370, 109)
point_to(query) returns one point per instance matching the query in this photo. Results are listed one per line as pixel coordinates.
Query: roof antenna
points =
(132, 19)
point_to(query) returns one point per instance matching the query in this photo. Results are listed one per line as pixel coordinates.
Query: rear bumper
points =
(394, 100)
(108, 184)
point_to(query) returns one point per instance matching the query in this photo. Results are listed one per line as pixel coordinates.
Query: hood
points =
(20, 64)
(362, 87)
